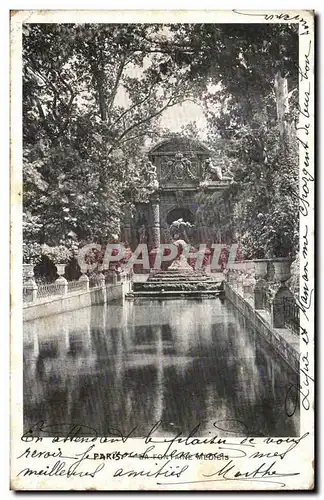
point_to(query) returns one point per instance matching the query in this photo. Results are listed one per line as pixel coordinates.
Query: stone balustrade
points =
(273, 297)
(283, 340)
(33, 293)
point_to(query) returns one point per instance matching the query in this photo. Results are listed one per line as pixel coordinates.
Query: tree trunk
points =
(102, 102)
(282, 102)
(99, 82)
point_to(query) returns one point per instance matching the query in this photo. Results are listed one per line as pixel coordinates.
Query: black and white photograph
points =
(163, 226)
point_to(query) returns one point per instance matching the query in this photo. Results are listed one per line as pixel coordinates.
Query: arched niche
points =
(180, 213)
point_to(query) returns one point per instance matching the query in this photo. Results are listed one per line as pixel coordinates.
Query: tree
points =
(252, 72)
(93, 95)
(247, 62)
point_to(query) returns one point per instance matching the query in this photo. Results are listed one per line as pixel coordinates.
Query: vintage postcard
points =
(162, 250)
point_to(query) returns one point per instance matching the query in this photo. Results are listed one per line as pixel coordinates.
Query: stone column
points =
(155, 210)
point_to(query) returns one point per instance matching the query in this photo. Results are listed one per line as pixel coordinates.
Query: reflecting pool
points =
(183, 363)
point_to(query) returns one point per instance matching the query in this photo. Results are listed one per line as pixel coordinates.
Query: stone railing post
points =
(126, 276)
(102, 292)
(131, 274)
(84, 279)
(260, 291)
(31, 287)
(61, 281)
(114, 278)
(62, 286)
(278, 319)
(227, 275)
(247, 287)
(101, 280)
(240, 284)
(231, 277)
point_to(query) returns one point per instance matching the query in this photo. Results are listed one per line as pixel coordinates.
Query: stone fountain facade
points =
(182, 168)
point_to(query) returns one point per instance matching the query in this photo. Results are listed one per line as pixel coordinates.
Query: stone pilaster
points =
(127, 229)
(155, 211)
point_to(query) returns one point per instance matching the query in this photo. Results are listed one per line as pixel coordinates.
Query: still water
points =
(182, 362)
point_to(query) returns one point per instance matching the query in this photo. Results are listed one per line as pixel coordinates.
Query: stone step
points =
(173, 272)
(179, 287)
(174, 282)
(179, 278)
(173, 294)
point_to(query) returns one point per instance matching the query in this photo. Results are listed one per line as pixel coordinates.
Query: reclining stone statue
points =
(212, 172)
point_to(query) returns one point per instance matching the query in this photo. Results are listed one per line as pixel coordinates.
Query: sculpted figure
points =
(142, 236)
(179, 228)
(212, 172)
(152, 178)
(186, 166)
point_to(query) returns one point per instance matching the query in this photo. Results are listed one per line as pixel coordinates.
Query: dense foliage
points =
(92, 99)
(252, 134)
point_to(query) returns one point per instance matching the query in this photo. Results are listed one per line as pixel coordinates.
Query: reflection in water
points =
(184, 362)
